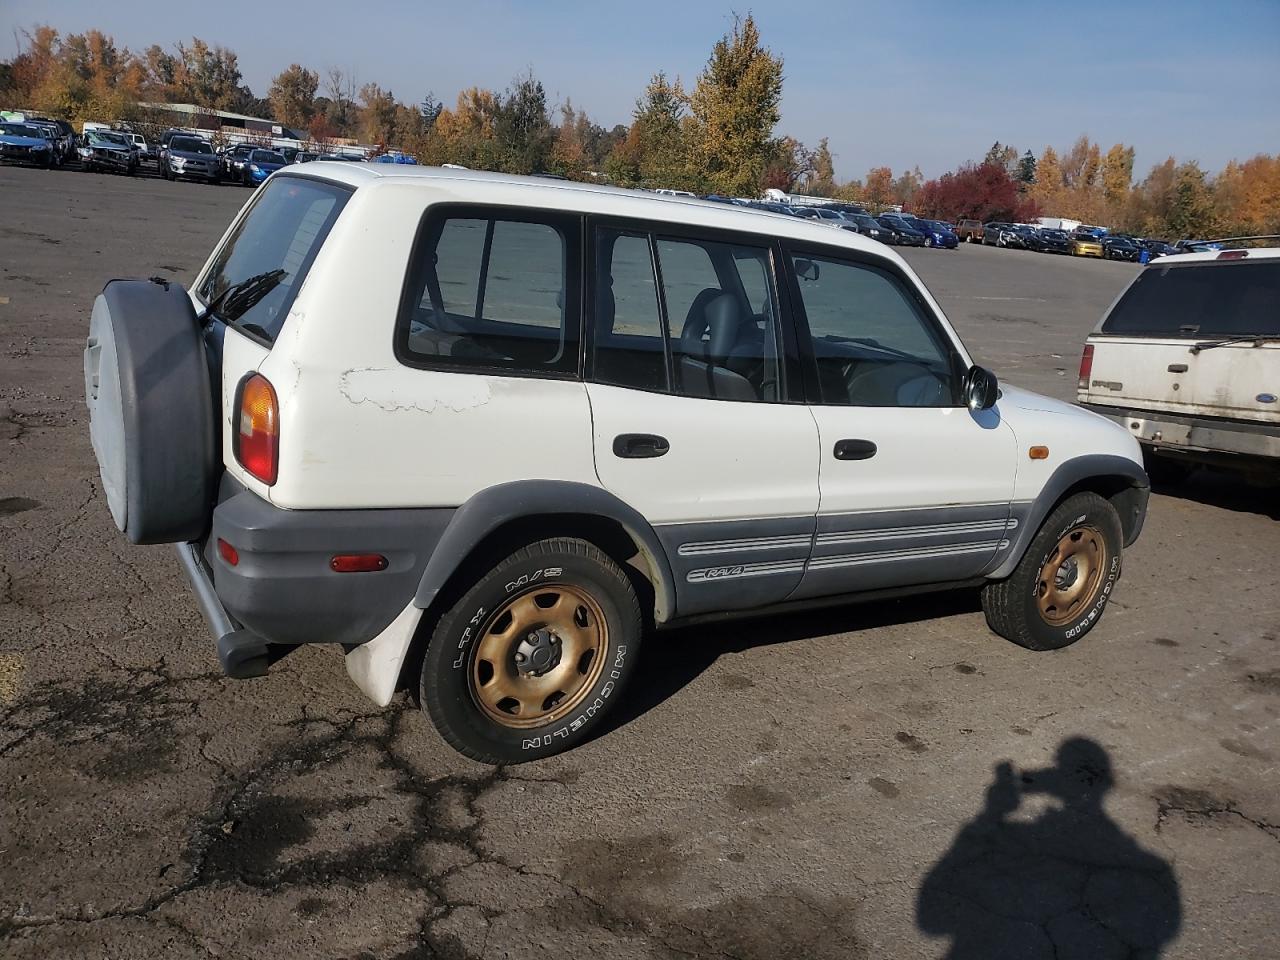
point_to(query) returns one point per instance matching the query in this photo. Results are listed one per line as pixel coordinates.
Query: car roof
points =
(1210, 256)
(479, 186)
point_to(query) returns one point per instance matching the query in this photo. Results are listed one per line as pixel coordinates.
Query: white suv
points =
(1188, 361)
(484, 431)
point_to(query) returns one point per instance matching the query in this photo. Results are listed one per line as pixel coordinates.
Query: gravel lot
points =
(831, 785)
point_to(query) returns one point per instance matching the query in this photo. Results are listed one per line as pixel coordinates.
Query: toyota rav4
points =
(484, 432)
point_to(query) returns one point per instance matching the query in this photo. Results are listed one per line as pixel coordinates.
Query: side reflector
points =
(1039, 453)
(358, 563)
(228, 553)
(256, 440)
(1086, 367)
(1233, 254)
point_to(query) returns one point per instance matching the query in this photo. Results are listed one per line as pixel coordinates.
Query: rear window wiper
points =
(239, 298)
(1244, 338)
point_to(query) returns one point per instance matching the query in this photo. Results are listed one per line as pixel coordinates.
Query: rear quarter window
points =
(1233, 298)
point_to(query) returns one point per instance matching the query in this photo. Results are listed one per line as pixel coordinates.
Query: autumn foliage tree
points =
(984, 191)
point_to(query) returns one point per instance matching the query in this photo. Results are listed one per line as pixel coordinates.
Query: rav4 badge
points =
(1266, 398)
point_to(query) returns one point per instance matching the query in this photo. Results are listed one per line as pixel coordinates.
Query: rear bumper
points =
(282, 592)
(1174, 433)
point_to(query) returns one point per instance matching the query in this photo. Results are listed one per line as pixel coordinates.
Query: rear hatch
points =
(1180, 340)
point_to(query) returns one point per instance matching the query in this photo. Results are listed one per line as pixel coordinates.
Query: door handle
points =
(1177, 368)
(855, 450)
(639, 446)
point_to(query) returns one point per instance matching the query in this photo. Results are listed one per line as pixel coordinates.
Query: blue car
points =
(937, 233)
(395, 156)
(261, 164)
(25, 144)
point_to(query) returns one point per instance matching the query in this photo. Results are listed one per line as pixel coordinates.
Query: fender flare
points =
(498, 505)
(1068, 474)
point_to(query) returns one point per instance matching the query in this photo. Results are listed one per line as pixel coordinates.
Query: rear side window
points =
(260, 268)
(1202, 300)
(491, 290)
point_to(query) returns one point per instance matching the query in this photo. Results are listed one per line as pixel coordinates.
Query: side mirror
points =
(806, 270)
(981, 389)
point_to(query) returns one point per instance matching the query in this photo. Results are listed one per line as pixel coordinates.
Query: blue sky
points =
(897, 84)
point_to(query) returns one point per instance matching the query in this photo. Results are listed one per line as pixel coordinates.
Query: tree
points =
(1191, 210)
(341, 89)
(1026, 174)
(906, 186)
(206, 76)
(983, 192)
(657, 138)
(790, 163)
(878, 188)
(735, 103)
(1117, 180)
(292, 96)
(377, 115)
(823, 180)
(522, 131)
(1048, 188)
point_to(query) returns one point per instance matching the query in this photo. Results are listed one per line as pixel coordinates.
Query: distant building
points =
(195, 117)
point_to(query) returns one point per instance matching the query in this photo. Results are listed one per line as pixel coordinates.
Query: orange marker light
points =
(1039, 453)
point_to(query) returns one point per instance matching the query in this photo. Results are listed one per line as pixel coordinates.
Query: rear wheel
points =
(1058, 591)
(529, 661)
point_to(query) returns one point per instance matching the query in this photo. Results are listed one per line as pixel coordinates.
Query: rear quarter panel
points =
(359, 429)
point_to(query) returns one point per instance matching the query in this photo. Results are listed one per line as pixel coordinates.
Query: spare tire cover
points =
(151, 416)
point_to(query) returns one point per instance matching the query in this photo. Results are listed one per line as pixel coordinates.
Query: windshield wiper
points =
(239, 298)
(1244, 338)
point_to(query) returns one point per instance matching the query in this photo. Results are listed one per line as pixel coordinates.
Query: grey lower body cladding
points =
(743, 564)
(282, 588)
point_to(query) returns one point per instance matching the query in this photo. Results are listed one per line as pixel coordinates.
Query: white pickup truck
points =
(1188, 361)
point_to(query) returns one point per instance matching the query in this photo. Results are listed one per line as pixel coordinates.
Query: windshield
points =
(266, 156)
(1216, 299)
(276, 241)
(19, 130)
(107, 139)
(1054, 234)
(190, 145)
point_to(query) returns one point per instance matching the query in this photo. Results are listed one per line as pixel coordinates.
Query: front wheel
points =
(530, 660)
(928, 241)
(1058, 591)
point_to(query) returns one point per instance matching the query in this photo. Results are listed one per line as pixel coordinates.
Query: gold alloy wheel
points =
(1069, 578)
(539, 655)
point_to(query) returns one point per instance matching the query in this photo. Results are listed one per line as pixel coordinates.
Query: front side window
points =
(873, 343)
(258, 271)
(708, 330)
(492, 291)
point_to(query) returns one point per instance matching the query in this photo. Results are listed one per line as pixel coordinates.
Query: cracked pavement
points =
(825, 785)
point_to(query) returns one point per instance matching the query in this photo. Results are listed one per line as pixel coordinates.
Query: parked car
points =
(107, 150)
(259, 165)
(662, 466)
(191, 158)
(140, 145)
(969, 231)
(820, 215)
(901, 233)
(305, 156)
(1188, 361)
(991, 233)
(1156, 248)
(59, 133)
(936, 233)
(1049, 240)
(868, 226)
(233, 159)
(1118, 247)
(395, 156)
(21, 143)
(1085, 244)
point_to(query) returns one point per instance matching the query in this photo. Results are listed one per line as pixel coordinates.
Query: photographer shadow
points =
(1067, 885)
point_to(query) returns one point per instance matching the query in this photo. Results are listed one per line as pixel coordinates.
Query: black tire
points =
(453, 669)
(151, 415)
(1013, 605)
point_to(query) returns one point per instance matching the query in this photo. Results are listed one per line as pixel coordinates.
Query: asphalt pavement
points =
(881, 781)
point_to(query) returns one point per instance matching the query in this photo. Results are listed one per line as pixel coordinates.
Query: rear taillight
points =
(256, 439)
(1233, 254)
(1086, 366)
